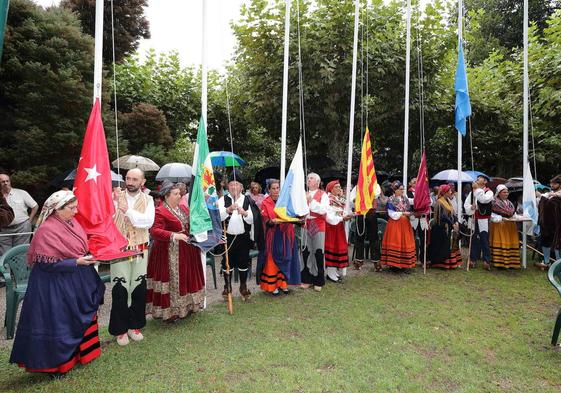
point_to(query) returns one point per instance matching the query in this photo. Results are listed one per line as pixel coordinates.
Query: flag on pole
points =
(367, 181)
(529, 201)
(204, 217)
(421, 202)
(292, 203)
(4, 5)
(94, 193)
(463, 106)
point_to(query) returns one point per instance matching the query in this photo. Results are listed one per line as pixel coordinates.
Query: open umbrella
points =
(476, 174)
(176, 172)
(115, 178)
(226, 158)
(132, 161)
(451, 175)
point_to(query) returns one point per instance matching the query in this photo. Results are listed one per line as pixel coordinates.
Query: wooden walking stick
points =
(470, 238)
(230, 303)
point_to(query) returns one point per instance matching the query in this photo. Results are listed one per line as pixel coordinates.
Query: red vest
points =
(319, 219)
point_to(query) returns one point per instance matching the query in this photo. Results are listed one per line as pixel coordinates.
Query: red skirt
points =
(336, 247)
(271, 277)
(398, 245)
(88, 350)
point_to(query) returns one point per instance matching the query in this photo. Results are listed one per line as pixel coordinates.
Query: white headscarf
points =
(500, 188)
(55, 202)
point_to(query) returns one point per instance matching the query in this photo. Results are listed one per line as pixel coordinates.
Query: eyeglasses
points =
(73, 207)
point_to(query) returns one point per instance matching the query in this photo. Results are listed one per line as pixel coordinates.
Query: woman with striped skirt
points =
(336, 244)
(398, 245)
(504, 242)
(444, 247)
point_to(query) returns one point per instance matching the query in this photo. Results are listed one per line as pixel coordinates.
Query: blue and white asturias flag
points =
(463, 105)
(292, 203)
(529, 201)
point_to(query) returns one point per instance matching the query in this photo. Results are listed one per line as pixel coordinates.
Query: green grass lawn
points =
(444, 332)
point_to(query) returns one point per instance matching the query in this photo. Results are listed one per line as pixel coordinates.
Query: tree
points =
(45, 95)
(145, 125)
(129, 21)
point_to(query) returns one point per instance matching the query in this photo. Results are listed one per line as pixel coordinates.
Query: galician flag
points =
(204, 218)
(292, 203)
(367, 181)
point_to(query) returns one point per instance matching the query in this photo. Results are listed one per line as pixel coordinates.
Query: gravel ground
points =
(213, 296)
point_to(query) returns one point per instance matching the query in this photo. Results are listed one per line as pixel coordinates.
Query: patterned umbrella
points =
(226, 158)
(132, 161)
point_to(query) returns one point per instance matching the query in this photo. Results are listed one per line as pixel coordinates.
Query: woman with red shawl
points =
(175, 280)
(336, 245)
(58, 323)
(279, 265)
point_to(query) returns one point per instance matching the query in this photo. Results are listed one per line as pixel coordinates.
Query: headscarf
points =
(56, 239)
(500, 187)
(167, 186)
(443, 190)
(331, 185)
(54, 202)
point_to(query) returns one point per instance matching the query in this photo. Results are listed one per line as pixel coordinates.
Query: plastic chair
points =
(14, 268)
(554, 276)
(210, 262)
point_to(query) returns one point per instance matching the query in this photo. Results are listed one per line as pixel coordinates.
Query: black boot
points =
(119, 317)
(244, 291)
(227, 285)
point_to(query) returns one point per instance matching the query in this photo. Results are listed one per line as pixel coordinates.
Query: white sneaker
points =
(135, 335)
(317, 288)
(122, 339)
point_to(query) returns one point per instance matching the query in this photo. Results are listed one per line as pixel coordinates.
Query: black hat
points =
(238, 176)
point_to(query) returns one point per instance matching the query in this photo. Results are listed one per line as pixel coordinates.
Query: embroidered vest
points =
(135, 236)
(319, 219)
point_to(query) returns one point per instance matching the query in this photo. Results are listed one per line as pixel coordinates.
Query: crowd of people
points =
(165, 278)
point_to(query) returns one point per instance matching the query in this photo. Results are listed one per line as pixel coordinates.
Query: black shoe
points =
(286, 291)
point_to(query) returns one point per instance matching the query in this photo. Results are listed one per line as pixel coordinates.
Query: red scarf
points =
(56, 240)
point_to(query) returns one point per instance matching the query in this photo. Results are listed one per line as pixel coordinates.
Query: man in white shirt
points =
(134, 217)
(236, 212)
(313, 236)
(20, 201)
(478, 205)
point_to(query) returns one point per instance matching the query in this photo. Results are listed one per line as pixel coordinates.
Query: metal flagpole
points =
(352, 111)
(285, 91)
(525, 126)
(407, 78)
(98, 59)
(204, 77)
(459, 186)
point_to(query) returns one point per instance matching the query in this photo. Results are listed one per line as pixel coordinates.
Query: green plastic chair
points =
(210, 262)
(554, 276)
(14, 268)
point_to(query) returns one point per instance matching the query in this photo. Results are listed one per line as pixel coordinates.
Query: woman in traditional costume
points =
(503, 241)
(398, 244)
(279, 263)
(58, 323)
(175, 279)
(336, 244)
(444, 247)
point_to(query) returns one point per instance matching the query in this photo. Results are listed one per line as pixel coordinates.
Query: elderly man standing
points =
(313, 236)
(134, 217)
(20, 201)
(479, 206)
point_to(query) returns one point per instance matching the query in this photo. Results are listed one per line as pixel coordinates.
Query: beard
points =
(132, 189)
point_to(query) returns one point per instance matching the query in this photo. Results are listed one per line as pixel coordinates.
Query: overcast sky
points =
(177, 25)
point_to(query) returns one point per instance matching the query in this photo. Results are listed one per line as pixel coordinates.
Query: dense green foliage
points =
(46, 78)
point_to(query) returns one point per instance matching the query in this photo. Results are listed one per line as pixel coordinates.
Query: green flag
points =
(203, 191)
(4, 5)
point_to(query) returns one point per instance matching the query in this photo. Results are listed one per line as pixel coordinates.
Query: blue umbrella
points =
(475, 174)
(226, 158)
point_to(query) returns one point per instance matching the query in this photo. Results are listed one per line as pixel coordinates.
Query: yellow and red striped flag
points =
(367, 182)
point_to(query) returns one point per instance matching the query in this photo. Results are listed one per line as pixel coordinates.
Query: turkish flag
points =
(94, 193)
(421, 202)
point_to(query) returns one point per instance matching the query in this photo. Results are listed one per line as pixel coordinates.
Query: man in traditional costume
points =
(313, 236)
(235, 210)
(134, 217)
(279, 264)
(478, 205)
(336, 244)
(550, 221)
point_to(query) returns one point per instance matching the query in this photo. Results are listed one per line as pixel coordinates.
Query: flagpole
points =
(407, 79)
(98, 59)
(285, 91)
(352, 111)
(459, 186)
(204, 77)
(525, 127)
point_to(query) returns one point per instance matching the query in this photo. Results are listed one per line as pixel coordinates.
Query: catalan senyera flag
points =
(367, 182)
